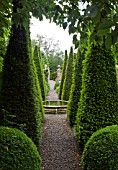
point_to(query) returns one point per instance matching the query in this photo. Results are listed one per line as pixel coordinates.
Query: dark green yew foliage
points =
(17, 151)
(68, 77)
(21, 105)
(98, 106)
(101, 150)
(75, 90)
(63, 74)
(117, 73)
(38, 64)
(37, 92)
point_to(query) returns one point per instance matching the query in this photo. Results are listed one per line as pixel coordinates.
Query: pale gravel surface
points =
(52, 95)
(59, 150)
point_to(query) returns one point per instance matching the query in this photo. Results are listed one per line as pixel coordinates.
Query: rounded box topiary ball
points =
(101, 150)
(17, 151)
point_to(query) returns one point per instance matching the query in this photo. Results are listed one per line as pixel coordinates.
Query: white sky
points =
(50, 30)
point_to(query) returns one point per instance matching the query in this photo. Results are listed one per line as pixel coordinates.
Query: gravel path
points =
(59, 150)
(52, 95)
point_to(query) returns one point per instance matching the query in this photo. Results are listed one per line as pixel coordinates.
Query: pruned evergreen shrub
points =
(63, 75)
(46, 74)
(75, 90)
(68, 77)
(117, 73)
(17, 151)
(98, 106)
(39, 70)
(101, 150)
(38, 97)
(21, 104)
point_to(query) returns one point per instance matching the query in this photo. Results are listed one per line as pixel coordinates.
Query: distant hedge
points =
(75, 90)
(101, 150)
(98, 106)
(39, 70)
(17, 151)
(63, 75)
(68, 76)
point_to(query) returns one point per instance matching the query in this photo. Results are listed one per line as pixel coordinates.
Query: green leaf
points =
(71, 29)
(115, 35)
(94, 10)
(115, 18)
(108, 41)
(76, 44)
(58, 8)
(108, 23)
(74, 37)
(64, 25)
(102, 32)
(96, 19)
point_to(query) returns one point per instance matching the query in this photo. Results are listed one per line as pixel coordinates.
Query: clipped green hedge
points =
(17, 151)
(117, 73)
(21, 104)
(39, 70)
(68, 76)
(98, 106)
(101, 150)
(63, 75)
(75, 90)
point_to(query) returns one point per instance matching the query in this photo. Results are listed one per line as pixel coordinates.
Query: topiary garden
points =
(90, 87)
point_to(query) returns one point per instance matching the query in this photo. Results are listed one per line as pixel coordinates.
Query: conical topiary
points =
(63, 74)
(38, 64)
(68, 77)
(21, 105)
(75, 90)
(98, 106)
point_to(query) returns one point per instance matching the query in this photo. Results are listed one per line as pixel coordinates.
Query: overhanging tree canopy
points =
(99, 16)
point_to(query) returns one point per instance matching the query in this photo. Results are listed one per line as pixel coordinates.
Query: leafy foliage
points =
(54, 61)
(48, 46)
(68, 76)
(101, 150)
(63, 74)
(17, 151)
(100, 16)
(5, 23)
(75, 90)
(98, 106)
(20, 99)
(39, 70)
